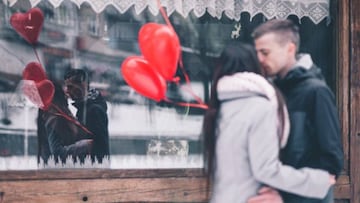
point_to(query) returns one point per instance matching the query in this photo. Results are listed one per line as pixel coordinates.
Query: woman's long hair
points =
(60, 100)
(236, 57)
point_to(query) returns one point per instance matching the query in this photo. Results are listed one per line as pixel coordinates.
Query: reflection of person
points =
(244, 127)
(314, 140)
(91, 110)
(58, 135)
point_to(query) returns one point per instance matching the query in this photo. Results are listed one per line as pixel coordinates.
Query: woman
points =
(61, 136)
(244, 127)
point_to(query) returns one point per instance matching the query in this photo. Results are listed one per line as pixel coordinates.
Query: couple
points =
(247, 124)
(64, 137)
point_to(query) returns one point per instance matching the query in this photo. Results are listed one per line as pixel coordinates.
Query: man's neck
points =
(289, 66)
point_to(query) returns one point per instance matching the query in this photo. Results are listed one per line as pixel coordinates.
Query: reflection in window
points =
(142, 133)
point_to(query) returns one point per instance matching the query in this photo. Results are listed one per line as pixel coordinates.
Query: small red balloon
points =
(28, 24)
(46, 91)
(160, 46)
(34, 71)
(138, 73)
(40, 94)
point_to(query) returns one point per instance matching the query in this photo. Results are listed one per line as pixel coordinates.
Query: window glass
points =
(143, 132)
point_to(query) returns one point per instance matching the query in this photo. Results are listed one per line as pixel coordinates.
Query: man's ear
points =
(292, 48)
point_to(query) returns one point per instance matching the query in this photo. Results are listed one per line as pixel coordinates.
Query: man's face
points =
(274, 57)
(75, 90)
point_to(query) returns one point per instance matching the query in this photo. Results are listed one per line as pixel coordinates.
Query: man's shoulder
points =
(313, 84)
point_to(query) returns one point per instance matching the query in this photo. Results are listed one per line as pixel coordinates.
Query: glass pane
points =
(143, 133)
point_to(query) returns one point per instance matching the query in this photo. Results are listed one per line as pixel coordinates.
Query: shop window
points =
(97, 38)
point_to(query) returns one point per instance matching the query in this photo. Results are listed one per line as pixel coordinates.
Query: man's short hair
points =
(285, 29)
(76, 75)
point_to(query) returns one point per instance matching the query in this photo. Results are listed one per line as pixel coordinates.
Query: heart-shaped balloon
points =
(46, 91)
(146, 32)
(138, 73)
(160, 46)
(34, 71)
(28, 24)
(40, 94)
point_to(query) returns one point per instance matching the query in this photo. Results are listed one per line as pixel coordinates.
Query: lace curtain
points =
(316, 10)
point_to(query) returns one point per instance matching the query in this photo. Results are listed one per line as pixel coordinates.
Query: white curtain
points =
(316, 10)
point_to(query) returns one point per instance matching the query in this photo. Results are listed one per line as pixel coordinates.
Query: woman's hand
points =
(266, 195)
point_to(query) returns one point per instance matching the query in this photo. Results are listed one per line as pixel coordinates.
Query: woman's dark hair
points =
(236, 57)
(59, 100)
(59, 95)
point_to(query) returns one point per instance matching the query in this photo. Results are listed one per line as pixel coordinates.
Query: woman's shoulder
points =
(249, 108)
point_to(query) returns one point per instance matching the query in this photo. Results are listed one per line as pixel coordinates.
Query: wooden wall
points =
(355, 100)
(340, 9)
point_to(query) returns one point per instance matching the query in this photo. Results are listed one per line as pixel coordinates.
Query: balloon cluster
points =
(148, 74)
(36, 87)
(160, 48)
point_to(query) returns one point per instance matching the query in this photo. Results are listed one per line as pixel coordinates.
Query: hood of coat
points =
(302, 70)
(246, 84)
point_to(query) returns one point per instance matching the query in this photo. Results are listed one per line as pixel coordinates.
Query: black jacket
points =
(315, 139)
(92, 114)
(60, 139)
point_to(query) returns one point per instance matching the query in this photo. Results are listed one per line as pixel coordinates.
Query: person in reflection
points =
(244, 127)
(60, 136)
(314, 140)
(91, 111)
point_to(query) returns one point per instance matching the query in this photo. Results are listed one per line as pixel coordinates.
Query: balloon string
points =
(181, 64)
(71, 119)
(36, 54)
(166, 18)
(186, 76)
(201, 106)
(163, 13)
(190, 90)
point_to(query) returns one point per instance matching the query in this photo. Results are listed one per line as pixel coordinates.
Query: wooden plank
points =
(110, 189)
(342, 33)
(98, 173)
(342, 192)
(355, 101)
(342, 201)
(343, 180)
(106, 190)
(342, 187)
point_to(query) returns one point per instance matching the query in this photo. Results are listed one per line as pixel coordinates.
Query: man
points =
(91, 111)
(314, 139)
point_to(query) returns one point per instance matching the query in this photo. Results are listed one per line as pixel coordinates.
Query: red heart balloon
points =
(161, 48)
(146, 32)
(40, 94)
(46, 91)
(139, 75)
(34, 71)
(28, 24)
